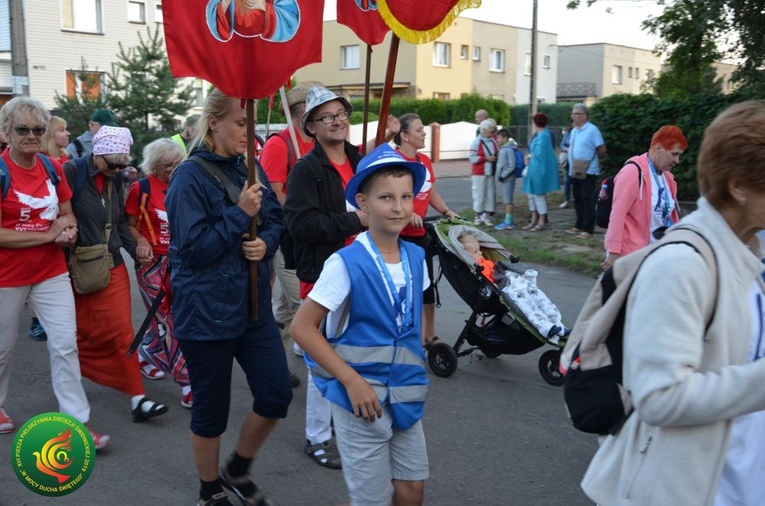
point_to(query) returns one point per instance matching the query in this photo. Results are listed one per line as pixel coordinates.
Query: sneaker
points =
(477, 221)
(149, 371)
(574, 231)
(503, 225)
(297, 350)
(487, 221)
(188, 400)
(243, 488)
(36, 331)
(6, 422)
(219, 499)
(100, 441)
(564, 205)
(325, 454)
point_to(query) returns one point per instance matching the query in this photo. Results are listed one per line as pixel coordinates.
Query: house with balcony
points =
(490, 59)
(65, 37)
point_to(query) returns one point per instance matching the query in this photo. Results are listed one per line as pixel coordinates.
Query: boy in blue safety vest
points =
(369, 361)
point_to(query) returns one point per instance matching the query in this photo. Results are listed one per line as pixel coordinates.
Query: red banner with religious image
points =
(362, 17)
(246, 48)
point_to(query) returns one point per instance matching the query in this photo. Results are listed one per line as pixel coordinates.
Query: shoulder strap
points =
(640, 172)
(80, 174)
(50, 169)
(5, 178)
(314, 166)
(78, 146)
(144, 193)
(219, 178)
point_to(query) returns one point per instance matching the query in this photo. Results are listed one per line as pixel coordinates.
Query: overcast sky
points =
(584, 25)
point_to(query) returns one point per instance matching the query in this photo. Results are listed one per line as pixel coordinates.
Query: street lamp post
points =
(533, 73)
(19, 69)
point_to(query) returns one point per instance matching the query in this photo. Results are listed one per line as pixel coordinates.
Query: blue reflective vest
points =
(392, 361)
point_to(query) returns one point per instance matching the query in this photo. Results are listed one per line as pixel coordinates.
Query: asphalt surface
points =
(497, 434)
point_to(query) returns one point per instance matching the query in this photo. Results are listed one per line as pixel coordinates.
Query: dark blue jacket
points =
(209, 274)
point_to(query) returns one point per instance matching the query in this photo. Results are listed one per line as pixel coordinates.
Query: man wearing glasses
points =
(321, 222)
(586, 145)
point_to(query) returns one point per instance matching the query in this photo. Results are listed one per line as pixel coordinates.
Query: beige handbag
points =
(579, 169)
(89, 266)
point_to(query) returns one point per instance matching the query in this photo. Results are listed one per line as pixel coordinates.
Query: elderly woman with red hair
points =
(645, 195)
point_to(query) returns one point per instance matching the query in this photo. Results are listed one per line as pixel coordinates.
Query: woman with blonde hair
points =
(56, 139)
(209, 206)
(147, 219)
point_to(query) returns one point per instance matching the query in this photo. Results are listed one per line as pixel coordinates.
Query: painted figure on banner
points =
(271, 20)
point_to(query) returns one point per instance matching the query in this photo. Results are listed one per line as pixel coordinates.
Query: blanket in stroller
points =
(536, 306)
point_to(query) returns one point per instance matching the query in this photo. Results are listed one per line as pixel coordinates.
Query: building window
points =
(546, 61)
(158, 17)
(476, 54)
(441, 54)
(464, 52)
(637, 72)
(350, 57)
(527, 64)
(440, 95)
(497, 61)
(136, 12)
(649, 76)
(629, 72)
(83, 84)
(81, 15)
(199, 93)
(616, 74)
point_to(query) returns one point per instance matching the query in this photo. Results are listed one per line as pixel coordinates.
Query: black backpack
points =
(595, 397)
(606, 197)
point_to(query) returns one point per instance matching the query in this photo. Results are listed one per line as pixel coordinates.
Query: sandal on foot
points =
(537, 228)
(156, 409)
(431, 343)
(243, 488)
(149, 371)
(325, 454)
(530, 225)
(219, 499)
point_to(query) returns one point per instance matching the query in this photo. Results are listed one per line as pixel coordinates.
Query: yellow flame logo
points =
(54, 456)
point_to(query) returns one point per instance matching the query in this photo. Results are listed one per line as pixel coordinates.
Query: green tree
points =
(143, 94)
(748, 20)
(689, 30)
(78, 108)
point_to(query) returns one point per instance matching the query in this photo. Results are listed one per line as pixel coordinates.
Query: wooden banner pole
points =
(252, 179)
(387, 89)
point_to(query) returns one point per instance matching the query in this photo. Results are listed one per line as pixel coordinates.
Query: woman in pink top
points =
(645, 195)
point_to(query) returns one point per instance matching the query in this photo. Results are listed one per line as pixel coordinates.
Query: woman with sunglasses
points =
(104, 324)
(147, 219)
(645, 195)
(36, 221)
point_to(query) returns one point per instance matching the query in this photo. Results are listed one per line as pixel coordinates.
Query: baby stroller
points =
(496, 325)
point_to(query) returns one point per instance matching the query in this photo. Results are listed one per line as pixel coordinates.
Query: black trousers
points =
(584, 202)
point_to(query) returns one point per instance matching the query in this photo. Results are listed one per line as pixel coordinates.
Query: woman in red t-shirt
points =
(147, 220)
(36, 221)
(409, 140)
(54, 143)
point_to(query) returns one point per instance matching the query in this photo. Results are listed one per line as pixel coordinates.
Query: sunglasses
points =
(114, 166)
(24, 130)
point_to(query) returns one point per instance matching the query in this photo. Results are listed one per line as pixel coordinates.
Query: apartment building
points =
(62, 36)
(587, 72)
(491, 59)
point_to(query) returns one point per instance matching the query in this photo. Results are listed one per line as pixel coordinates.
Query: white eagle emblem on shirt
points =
(49, 203)
(162, 215)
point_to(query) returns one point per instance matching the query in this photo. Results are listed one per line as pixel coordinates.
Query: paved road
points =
(497, 433)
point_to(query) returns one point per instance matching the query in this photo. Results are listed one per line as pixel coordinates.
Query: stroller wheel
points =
(548, 367)
(442, 360)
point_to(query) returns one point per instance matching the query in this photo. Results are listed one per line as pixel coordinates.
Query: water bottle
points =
(603, 195)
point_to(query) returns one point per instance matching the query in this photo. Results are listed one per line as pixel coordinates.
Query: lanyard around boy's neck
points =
(662, 200)
(407, 313)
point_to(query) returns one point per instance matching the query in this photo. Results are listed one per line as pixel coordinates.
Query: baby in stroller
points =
(521, 289)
